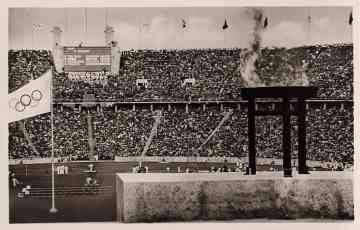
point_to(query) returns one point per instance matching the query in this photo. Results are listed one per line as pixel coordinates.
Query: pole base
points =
(53, 210)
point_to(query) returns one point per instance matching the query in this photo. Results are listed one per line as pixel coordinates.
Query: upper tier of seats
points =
(216, 72)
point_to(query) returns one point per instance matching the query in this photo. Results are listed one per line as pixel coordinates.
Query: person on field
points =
(88, 181)
(94, 182)
(225, 168)
(14, 184)
(91, 167)
(25, 191)
(58, 170)
(272, 166)
(14, 181)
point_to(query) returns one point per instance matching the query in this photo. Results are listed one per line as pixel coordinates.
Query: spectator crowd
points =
(27, 65)
(215, 72)
(125, 132)
(181, 133)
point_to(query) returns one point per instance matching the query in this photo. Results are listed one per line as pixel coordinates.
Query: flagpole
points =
(53, 209)
(106, 16)
(308, 25)
(183, 37)
(139, 34)
(85, 26)
(67, 24)
(183, 31)
(32, 37)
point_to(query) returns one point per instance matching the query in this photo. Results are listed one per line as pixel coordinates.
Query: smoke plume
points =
(291, 73)
(299, 76)
(248, 58)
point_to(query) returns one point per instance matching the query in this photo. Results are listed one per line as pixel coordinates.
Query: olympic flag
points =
(32, 99)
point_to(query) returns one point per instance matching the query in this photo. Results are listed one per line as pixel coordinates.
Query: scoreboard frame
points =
(87, 58)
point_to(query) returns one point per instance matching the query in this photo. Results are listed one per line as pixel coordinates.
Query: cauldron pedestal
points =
(300, 93)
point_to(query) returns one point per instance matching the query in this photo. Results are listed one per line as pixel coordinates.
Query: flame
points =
(291, 75)
(249, 57)
(300, 77)
(248, 70)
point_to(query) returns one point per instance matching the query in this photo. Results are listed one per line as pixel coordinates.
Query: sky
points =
(161, 28)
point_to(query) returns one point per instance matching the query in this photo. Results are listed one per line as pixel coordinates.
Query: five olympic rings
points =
(26, 100)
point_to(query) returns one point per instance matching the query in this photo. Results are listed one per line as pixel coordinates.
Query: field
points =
(74, 202)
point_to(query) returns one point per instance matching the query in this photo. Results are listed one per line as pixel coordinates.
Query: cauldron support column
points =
(301, 114)
(286, 93)
(251, 135)
(286, 138)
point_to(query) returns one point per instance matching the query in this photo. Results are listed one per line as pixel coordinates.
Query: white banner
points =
(90, 77)
(30, 100)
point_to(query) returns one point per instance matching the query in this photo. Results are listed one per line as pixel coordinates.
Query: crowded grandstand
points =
(122, 129)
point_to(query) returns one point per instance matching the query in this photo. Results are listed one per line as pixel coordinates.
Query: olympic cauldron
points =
(164, 197)
(299, 93)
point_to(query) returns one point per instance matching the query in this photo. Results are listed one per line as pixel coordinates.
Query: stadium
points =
(145, 110)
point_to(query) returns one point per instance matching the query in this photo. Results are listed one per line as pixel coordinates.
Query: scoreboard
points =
(87, 59)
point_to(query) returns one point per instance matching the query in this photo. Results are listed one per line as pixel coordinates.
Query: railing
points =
(260, 161)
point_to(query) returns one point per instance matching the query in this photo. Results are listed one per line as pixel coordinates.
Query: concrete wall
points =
(165, 197)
